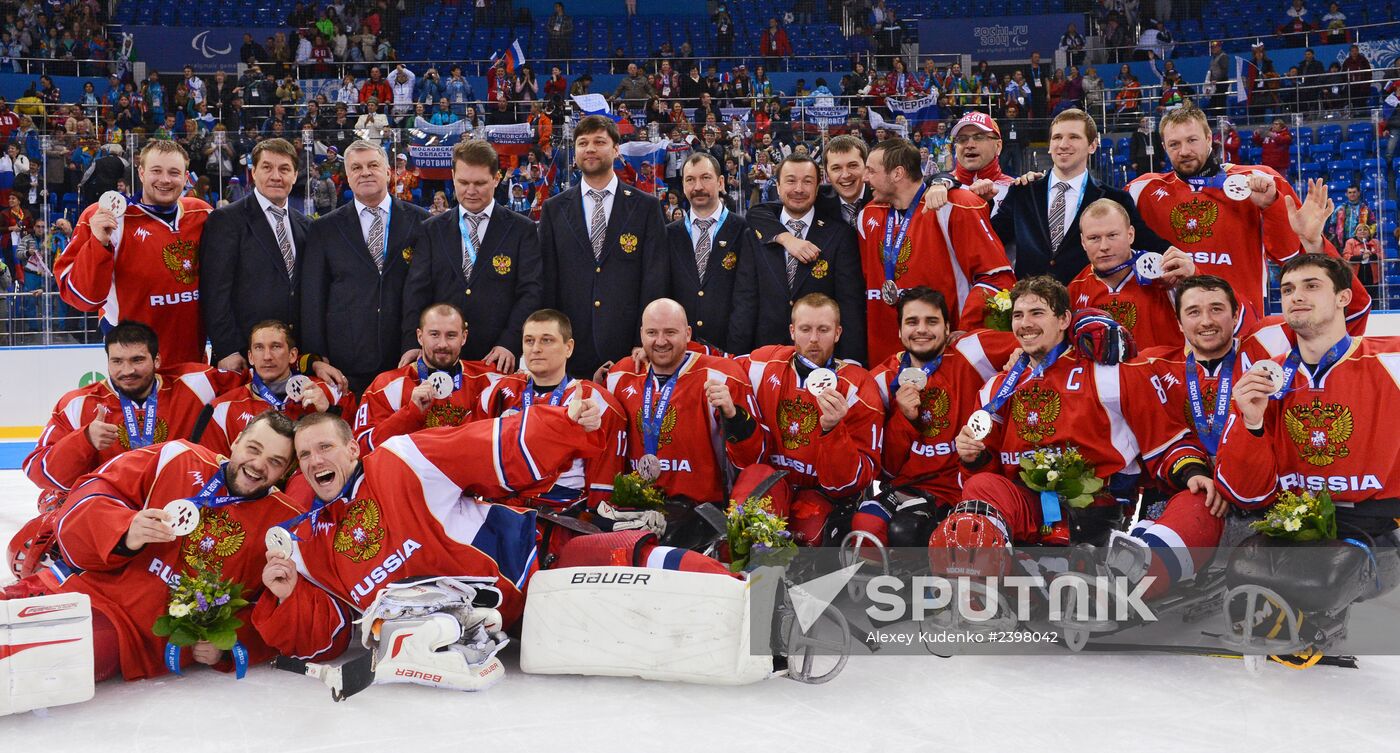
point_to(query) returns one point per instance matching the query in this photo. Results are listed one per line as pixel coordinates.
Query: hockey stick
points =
(344, 680)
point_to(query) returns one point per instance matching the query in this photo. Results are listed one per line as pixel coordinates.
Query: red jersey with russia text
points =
(386, 410)
(134, 590)
(418, 509)
(1115, 416)
(150, 275)
(1144, 310)
(841, 462)
(592, 476)
(696, 459)
(64, 452)
(924, 448)
(237, 408)
(1333, 434)
(953, 251)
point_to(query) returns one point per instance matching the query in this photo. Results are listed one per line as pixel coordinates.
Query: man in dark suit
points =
(780, 278)
(604, 253)
(844, 196)
(250, 257)
(482, 258)
(1038, 74)
(353, 276)
(1039, 222)
(706, 252)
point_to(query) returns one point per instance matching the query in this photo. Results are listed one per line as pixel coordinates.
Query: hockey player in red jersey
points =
(404, 400)
(116, 533)
(691, 416)
(928, 390)
(144, 264)
(412, 509)
(272, 355)
(952, 250)
(546, 343)
(1141, 303)
(1113, 415)
(1232, 219)
(822, 417)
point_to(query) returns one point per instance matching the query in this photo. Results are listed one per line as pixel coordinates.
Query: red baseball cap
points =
(979, 120)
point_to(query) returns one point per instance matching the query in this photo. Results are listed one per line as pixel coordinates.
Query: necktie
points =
(472, 234)
(284, 243)
(376, 236)
(848, 212)
(702, 247)
(1057, 216)
(796, 226)
(598, 225)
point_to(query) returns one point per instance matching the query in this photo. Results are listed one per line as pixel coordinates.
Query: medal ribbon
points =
(423, 374)
(1014, 375)
(1131, 262)
(555, 398)
(1295, 360)
(904, 363)
(651, 419)
(263, 391)
(892, 242)
(148, 427)
(1210, 430)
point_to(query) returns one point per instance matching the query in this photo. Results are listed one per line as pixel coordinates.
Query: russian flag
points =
(641, 164)
(515, 56)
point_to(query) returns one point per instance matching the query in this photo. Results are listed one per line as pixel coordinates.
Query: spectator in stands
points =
(634, 89)
(1275, 141)
(774, 45)
(1146, 154)
(1310, 80)
(1038, 75)
(1260, 82)
(289, 91)
(1227, 142)
(401, 81)
(1363, 251)
(1358, 70)
(252, 52)
(1350, 213)
(1154, 40)
(1127, 108)
(724, 35)
(1072, 44)
(1115, 39)
(376, 87)
(443, 115)
(373, 124)
(439, 204)
(1018, 92)
(1333, 93)
(561, 34)
(1297, 9)
(1334, 25)
(429, 87)
(556, 85)
(1295, 32)
(405, 179)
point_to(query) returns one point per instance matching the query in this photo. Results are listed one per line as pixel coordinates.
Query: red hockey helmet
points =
(972, 540)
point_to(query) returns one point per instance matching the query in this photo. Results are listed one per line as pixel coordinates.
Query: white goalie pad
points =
(641, 622)
(45, 652)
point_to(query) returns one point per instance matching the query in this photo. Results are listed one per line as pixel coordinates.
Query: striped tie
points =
(1057, 216)
(284, 243)
(848, 212)
(472, 235)
(598, 226)
(702, 247)
(796, 226)
(376, 236)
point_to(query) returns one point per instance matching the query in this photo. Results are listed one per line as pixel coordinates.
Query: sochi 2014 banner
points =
(430, 147)
(997, 37)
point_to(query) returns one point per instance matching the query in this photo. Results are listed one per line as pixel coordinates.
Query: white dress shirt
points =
(607, 201)
(366, 220)
(480, 228)
(808, 218)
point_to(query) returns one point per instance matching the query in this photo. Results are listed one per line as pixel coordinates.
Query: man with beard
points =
(156, 280)
(923, 412)
(118, 536)
(1111, 282)
(1213, 211)
(1054, 399)
(604, 254)
(272, 355)
(413, 397)
(977, 147)
(707, 248)
(953, 250)
(404, 535)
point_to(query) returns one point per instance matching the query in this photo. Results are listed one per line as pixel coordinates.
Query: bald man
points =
(692, 416)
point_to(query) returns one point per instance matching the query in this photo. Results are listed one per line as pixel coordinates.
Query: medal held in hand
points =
(184, 516)
(278, 541)
(979, 424)
(442, 384)
(913, 376)
(820, 380)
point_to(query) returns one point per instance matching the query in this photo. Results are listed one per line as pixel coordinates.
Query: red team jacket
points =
(132, 591)
(1144, 310)
(234, 410)
(1322, 436)
(591, 476)
(696, 459)
(1169, 365)
(953, 251)
(385, 410)
(406, 515)
(1228, 238)
(157, 281)
(64, 452)
(842, 462)
(925, 447)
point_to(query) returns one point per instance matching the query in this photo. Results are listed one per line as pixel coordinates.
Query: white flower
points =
(1052, 475)
(1292, 524)
(179, 610)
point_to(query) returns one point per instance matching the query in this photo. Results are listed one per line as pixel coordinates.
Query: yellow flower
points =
(1052, 475)
(1292, 524)
(179, 610)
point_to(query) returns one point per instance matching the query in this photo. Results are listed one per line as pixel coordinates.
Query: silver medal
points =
(296, 387)
(820, 380)
(184, 516)
(649, 467)
(442, 384)
(913, 376)
(979, 424)
(278, 541)
(889, 292)
(113, 202)
(1237, 187)
(1149, 265)
(1273, 371)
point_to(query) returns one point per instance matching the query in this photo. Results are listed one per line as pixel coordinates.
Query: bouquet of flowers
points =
(757, 536)
(632, 492)
(202, 608)
(1300, 517)
(996, 312)
(1061, 471)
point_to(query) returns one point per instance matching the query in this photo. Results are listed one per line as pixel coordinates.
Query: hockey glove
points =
(1101, 339)
(628, 520)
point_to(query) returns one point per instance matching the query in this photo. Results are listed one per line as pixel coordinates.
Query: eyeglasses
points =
(977, 138)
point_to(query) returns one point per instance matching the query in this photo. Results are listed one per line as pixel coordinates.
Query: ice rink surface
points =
(1078, 704)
